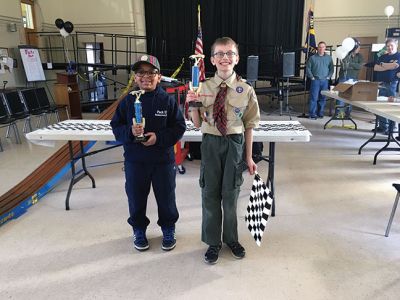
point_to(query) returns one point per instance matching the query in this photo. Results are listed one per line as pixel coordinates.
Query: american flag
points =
(199, 49)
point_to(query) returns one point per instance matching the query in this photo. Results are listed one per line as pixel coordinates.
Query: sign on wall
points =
(32, 63)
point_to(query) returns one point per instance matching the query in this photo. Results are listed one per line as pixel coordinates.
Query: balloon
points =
(389, 10)
(68, 26)
(341, 52)
(63, 32)
(348, 44)
(59, 23)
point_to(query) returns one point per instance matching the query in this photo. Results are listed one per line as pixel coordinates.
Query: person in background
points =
(152, 162)
(319, 70)
(387, 66)
(350, 67)
(230, 112)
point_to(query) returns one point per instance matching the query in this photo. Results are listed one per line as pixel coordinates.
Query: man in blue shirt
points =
(319, 70)
(387, 67)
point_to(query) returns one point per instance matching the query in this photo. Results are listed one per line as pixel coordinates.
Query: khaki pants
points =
(220, 181)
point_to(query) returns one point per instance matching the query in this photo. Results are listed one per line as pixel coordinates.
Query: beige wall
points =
(10, 13)
(103, 16)
(111, 16)
(336, 20)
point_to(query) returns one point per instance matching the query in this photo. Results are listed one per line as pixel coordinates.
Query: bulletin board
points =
(32, 63)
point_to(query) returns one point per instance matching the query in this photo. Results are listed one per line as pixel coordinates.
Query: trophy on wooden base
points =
(195, 84)
(138, 119)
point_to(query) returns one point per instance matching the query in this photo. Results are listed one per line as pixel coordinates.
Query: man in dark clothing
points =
(150, 162)
(387, 67)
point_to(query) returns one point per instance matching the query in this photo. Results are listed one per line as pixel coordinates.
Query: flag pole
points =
(303, 115)
(198, 16)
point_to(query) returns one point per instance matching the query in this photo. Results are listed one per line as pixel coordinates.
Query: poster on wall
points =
(32, 63)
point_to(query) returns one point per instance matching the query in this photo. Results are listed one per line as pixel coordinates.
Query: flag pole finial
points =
(198, 16)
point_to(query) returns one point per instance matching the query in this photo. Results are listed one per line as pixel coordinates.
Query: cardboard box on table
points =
(360, 91)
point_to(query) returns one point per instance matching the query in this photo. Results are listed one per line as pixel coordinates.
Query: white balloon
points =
(341, 52)
(63, 32)
(389, 10)
(348, 44)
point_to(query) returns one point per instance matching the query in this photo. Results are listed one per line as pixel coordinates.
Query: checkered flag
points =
(258, 209)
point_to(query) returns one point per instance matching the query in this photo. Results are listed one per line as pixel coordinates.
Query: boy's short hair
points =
(224, 41)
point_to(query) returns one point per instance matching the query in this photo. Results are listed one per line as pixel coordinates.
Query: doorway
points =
(29, 22)
(366, 73)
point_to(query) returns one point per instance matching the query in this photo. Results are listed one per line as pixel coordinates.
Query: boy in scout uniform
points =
(227, 117)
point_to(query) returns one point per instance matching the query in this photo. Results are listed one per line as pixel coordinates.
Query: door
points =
(365, 51)
(29, 21)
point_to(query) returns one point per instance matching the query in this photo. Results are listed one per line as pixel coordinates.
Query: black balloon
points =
(68, 26)
(59, 23)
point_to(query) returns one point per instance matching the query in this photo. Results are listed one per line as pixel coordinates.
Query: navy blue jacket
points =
(389, 75)
(162, 116)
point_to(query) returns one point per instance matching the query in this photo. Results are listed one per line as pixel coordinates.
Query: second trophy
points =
(195, 84)
(138, 118)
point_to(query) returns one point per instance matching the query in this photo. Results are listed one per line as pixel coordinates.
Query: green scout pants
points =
(220, 181)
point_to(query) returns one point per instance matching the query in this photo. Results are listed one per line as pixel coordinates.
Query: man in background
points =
(319, 70)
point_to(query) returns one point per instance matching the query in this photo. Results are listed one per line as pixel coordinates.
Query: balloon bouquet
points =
(65, 29)
(348, 45)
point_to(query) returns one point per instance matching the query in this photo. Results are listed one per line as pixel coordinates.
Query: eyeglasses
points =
(229, 54)
(142, 73)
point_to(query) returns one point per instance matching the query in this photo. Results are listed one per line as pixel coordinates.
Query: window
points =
(27, 15)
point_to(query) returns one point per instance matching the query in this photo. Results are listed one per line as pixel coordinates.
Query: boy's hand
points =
(191, 96)
(251, 165)
(137, 129)
(152, 139)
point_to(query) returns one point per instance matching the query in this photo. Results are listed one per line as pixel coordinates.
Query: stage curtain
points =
(261, 27)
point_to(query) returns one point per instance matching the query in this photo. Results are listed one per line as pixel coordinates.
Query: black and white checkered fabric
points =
(79, 126)
(258, 209)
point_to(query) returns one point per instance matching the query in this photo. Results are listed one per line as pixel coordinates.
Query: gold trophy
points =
(195, 84)
(138, 119)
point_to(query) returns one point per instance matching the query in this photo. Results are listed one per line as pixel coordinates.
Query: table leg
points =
(74, 177)
(271, 174)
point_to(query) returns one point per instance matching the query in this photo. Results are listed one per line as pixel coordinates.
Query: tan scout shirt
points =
(241, 105)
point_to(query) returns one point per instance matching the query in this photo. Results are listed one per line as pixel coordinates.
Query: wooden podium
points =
(66, 92)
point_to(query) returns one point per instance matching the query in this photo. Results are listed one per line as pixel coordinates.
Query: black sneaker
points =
(237, 250)
(211, 256)
(139, 240)
(169, 241)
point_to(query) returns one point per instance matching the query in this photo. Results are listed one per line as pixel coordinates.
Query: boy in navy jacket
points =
(151, 162)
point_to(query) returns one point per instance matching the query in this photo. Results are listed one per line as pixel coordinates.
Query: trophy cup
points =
(195, 84)
(138, 119)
